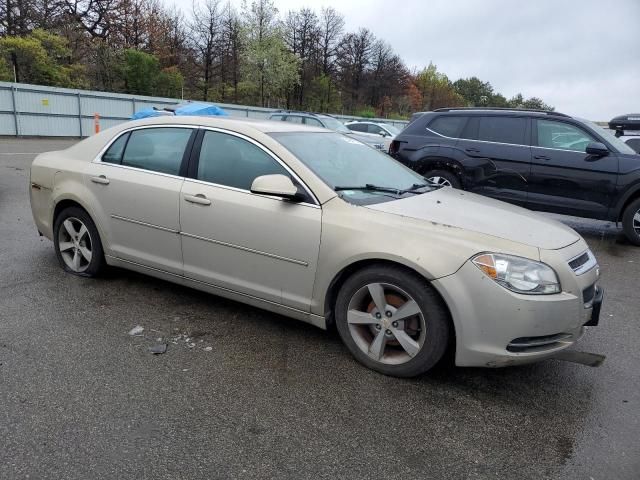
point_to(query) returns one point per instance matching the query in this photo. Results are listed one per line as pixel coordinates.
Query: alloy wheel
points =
(75, 245)
(636, 222)
(443, 182)
(386, 323)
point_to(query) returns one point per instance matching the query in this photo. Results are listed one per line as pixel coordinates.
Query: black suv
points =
(540, 160)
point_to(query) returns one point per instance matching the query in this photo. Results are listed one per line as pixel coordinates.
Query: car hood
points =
(456, 208)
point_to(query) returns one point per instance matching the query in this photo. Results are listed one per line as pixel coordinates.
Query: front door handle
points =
(101, 179)
(472, 150)
(541, 157)
(200, 199)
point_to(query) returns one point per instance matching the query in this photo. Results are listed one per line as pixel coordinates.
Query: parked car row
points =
(317, 226)
(545, 161)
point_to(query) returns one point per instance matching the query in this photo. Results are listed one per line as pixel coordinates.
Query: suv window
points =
(358, 127)
(114, 153)
(634, 143)
(157, 149)
(234, 162)
(448, 125)
(312, 121)
(277, 118)
(293, 119)
(502, 129)
(562, 136)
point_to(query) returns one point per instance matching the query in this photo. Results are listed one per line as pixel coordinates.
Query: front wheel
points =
(631, 222)
(392, 321)
(77, 243)
(443, 178)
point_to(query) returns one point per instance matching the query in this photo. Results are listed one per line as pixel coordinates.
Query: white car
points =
(317, 226)
(375, 130)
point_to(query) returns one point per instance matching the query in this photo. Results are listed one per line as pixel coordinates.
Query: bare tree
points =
(205, 30)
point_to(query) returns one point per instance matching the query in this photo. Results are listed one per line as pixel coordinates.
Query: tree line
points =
(303, 59)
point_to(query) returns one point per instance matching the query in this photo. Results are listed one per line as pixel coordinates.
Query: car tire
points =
(415, 327)
(77, 243)
(443, 178)
(631, 222)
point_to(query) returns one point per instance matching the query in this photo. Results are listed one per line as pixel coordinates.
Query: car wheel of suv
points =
(443, 178)
(631, 222)
(392, 321)
(77, 243)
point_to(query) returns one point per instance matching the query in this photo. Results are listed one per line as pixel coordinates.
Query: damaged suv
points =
(319, 227)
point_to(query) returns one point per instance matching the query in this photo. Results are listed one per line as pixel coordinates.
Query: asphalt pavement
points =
(243, 393)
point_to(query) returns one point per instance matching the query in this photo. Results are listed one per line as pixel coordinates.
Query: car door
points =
(136, 184)
(257, 245)
(564, 178)
(497, 156)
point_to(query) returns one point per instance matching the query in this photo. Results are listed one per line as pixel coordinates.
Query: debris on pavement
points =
(136, 331)
(207, 349)
(158, 349)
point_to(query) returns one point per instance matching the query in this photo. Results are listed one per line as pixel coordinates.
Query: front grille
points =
(578, 262)
(583, 263)
(526, 344)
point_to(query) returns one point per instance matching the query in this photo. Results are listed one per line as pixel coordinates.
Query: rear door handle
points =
(200, 199)
(101, 179)
(541, 157)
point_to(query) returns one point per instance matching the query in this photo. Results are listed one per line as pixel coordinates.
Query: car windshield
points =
(391, 129)
(361, 174)
(335, 125)
(611, 138)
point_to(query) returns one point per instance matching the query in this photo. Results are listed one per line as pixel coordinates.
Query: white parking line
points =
(21, 153)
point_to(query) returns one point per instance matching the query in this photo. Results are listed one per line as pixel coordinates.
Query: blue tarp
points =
(198, 109)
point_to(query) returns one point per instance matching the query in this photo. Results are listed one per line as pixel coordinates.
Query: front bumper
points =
(496, 327)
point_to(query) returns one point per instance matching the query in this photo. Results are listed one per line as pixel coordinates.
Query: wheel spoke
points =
(83, 231)
(64, 246)
(86, 253)
(362, 318)
(76, 260)
(409, 344)
(377, 295)
(408, 309)
(68, 226)
(376, 349)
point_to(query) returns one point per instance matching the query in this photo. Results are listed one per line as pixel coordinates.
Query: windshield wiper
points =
(370, 187)
(417, 186)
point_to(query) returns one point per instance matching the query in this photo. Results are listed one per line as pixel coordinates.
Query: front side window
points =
(312, 122)
(276, 118)
(157, 149)
(562, 136)
(293, 119)
(234, 162)
(510, 130)
(115, 151)
(357, 127)
(449, 126)
(375, 129)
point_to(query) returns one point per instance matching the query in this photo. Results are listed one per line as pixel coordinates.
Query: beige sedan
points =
(316, 226)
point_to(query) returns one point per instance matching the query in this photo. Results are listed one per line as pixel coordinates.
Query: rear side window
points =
(234, 162)
(277, 118)
(449, 126)
(114, 153)
(157, 149)
(293, 119)
(634, 143)
(312, 121)
(358, 127)
(502, 129)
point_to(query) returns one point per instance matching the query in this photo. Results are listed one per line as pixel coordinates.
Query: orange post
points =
(96, 122)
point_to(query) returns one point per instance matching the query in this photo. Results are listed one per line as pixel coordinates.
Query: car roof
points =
(499, 111)
(238, 124)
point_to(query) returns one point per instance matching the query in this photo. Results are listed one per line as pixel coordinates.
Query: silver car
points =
(376, 131)
(317, 226)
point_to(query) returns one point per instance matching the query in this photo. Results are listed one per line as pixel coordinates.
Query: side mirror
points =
(277, 186)
(598, 149)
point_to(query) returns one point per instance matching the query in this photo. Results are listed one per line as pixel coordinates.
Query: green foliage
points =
(366, 112)
(170, 83)
(5, 71)
(475, 92)
(141, 72)
(436, 89)
(41, 58)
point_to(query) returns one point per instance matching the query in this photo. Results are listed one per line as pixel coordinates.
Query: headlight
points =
(519, 274)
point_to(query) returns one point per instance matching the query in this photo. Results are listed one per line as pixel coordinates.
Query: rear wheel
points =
(443, 178)
(77, 243)
(631, 222)
(392, 321)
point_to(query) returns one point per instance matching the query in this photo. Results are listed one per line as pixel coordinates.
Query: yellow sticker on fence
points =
(45, 102)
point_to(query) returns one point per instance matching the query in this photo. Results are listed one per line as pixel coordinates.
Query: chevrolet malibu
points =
(317, 226)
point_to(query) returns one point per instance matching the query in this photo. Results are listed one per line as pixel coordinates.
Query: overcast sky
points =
(581, 56)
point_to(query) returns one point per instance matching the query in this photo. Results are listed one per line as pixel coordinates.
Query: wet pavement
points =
(243, 393)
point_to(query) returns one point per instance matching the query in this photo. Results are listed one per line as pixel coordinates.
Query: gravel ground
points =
(243, 393)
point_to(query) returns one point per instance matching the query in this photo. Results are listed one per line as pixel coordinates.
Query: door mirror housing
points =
(277, 186)
(598, 149)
